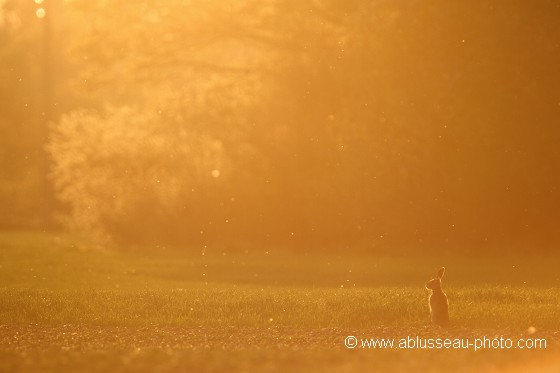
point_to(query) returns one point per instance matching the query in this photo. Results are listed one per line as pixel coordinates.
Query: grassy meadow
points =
(66, 305)
(313, 162)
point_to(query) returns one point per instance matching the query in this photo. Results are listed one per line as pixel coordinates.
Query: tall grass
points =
(229, 305)
(54, 280)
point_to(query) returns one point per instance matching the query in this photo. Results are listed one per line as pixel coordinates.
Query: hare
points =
(439, 307)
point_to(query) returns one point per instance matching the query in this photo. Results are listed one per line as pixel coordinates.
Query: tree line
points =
(305, 124)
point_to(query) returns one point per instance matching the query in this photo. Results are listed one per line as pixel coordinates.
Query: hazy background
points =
(307, 125)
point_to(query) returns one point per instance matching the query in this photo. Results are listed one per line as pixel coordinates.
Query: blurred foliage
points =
(295, 123)
(128, 173)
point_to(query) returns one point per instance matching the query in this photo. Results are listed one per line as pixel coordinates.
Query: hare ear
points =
(441, 272)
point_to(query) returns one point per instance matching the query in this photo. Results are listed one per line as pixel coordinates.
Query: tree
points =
(337, 123)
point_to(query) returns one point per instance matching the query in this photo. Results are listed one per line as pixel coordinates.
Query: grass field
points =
(65, 306)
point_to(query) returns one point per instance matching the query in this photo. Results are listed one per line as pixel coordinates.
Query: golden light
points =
(40, 13)
(363, 145)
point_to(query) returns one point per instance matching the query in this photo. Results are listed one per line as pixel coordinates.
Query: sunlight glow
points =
(40, 13)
